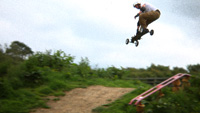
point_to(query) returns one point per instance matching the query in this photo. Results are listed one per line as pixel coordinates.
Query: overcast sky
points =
(97, 29)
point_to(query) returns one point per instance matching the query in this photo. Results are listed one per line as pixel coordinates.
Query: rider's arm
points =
(138, 25)
(138, 14)
(142, 9)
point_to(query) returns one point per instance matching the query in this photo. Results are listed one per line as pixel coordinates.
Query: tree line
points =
(21, 67)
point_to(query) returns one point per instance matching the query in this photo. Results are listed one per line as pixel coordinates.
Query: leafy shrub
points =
(84, 69)
(5, 88)
(194, 69)
(22, 101)
(45, 90)
(4, 65)
(57, 84)
(57, 61)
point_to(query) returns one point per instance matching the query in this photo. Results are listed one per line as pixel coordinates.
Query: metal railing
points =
(175, 80)
(150, 80)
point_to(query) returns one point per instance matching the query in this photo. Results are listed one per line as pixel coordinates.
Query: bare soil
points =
(83, 100)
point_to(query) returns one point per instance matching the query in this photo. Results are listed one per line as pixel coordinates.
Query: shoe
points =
(138, 32)
(145, 31)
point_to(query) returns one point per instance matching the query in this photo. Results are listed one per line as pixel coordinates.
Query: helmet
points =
(135, 3)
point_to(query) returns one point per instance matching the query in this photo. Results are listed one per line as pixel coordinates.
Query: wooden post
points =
(161, 94)
(176, 85)
(185, 82)
(140, 107)
(155, 80)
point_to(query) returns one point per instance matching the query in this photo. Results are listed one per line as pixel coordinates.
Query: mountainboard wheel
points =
(127, 41)
(136, 43)
(151, 32)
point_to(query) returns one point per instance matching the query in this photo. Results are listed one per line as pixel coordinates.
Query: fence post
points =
(185, 82)
(140, 107)
(155, 81)
(161, 94)
(176, 85)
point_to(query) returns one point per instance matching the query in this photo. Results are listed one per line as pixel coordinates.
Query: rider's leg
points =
(154, 16)
(143, 22)
(147, 18)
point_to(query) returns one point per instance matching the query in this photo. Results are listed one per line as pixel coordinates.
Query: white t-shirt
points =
(149, 7)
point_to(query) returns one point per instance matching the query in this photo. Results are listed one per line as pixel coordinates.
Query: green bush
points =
(22, 101)
(57, 84)
(45, 90)
(4, 65)
(5, 88)
(57, 60)
(15, 76)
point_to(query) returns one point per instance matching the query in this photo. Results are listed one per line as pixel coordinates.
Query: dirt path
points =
(83, 100)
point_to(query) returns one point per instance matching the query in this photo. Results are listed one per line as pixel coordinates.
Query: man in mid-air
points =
(147, 15)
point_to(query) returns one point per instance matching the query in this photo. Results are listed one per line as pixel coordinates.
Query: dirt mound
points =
(83, 100)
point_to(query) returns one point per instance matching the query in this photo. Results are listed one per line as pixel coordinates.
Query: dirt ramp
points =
(83, 100)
